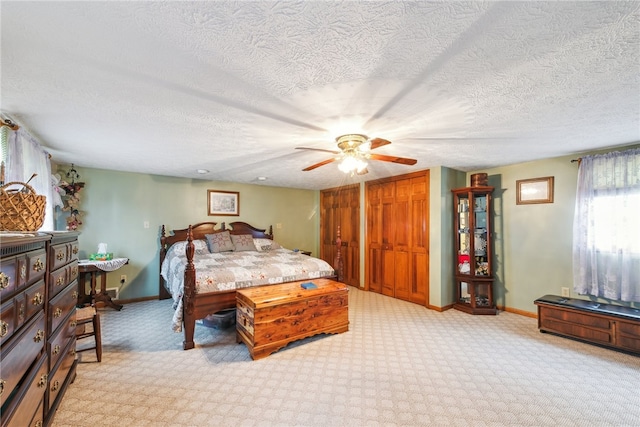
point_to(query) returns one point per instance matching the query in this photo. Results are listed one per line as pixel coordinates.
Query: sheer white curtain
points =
(606, 227)
(25, 156)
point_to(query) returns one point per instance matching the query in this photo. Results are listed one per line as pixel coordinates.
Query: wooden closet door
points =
(402, 246)
(373, 231)
(419, 248)
(341, 206)
(328, 227)
(398, 237)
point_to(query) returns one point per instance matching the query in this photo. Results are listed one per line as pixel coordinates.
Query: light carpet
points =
(399, 364)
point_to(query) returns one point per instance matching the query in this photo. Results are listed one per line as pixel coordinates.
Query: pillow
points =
(180, 247)
(219, 242)
(265, 244)
(243, 242)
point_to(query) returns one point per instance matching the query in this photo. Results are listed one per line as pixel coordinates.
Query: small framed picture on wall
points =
(534, 190)
(223, 203)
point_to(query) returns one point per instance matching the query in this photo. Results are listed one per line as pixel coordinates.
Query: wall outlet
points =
(565, 292)
(123, 278)
(113, 293)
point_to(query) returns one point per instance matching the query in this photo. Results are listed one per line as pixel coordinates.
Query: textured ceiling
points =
(233, 87)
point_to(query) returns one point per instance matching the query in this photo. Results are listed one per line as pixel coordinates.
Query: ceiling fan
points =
(355, 150)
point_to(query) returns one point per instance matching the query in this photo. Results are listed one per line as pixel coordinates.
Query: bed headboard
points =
(199, 230)
(244, 228)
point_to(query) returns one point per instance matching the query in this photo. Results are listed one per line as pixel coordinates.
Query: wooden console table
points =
(93, 269)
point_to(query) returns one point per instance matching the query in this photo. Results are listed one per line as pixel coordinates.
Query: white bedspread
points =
(225, 271)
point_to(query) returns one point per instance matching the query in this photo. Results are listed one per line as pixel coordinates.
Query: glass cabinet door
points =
(473, 266)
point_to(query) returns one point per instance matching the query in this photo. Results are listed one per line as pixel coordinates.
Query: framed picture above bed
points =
(223, 203)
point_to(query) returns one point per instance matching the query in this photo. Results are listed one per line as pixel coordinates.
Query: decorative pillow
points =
(219, 242)
(265, 244)
(181, 247)
(243, 242)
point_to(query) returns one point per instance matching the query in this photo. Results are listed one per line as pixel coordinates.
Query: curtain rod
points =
(8, 123)
(579, 159)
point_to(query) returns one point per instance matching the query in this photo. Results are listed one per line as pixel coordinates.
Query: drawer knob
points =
(2, 383)
(55, 386)
(38, 265)
(75, 250)
(59, 281)
(39, 336)
(4, 281)
(74, 271)
(56, 349)
(38, 423)
(4, 328)
(57, 312)
(23, 272)
(74, 294)
(59, 256)
(37, 299)
(43, 380)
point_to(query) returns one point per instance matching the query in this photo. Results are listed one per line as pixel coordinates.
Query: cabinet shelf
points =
(473, 247)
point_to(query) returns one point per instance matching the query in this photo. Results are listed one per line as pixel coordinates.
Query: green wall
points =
(117, 204)
(533, 243)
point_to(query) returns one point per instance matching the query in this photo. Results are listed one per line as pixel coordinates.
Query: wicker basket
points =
(21, 209)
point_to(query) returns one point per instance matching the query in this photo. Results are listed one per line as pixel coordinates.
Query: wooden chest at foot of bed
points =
(270, 317)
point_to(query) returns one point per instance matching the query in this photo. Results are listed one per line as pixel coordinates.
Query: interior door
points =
(341, 207)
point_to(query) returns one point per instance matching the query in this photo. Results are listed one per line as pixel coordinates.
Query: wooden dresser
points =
(36, 309)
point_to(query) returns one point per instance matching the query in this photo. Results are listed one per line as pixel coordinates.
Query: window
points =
(606, 230)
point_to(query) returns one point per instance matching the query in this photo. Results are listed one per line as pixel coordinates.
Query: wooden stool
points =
(84, 316)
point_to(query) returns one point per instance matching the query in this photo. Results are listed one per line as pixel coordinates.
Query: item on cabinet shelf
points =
(21, 209)
(465, 267)
(479, 180)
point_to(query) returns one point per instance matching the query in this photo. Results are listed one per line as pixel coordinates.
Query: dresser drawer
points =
(8, 277)
(8, 320)
(30, 409)
(72, 271)
(58, 376)
(60, 340)
(36, 265)
(58, 255)
(61, 306)
(57, 281)
(19, 353)
(34, 298)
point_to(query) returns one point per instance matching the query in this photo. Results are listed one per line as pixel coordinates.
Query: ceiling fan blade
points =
(393, 159)
(318, 149)
(379, 142)
(317, 165)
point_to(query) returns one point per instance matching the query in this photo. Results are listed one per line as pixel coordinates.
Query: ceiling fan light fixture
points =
(352, 163)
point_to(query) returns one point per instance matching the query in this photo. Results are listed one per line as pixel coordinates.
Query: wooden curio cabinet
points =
(473, 240)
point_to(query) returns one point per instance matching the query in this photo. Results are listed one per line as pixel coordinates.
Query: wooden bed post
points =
(188, 298)
(163, 293)
(338, 263)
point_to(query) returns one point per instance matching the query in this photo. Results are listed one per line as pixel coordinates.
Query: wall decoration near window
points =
(70, 193)
(223, 203)
(535, 190)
